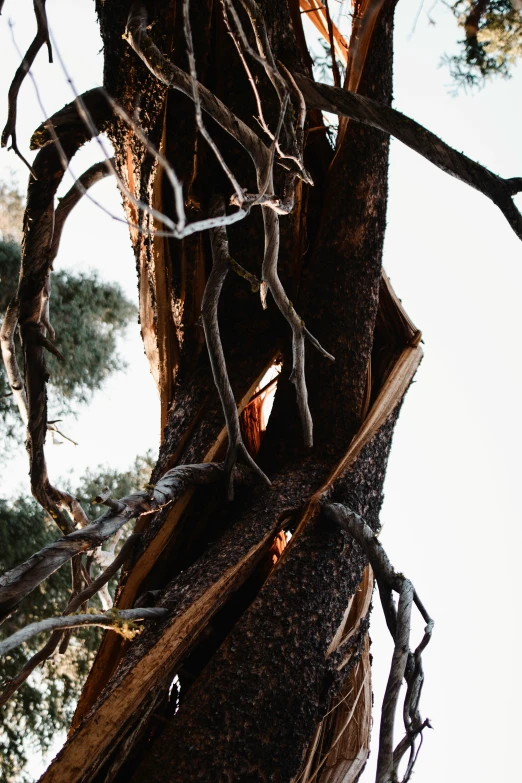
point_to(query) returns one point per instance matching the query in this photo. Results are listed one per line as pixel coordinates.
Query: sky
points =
(451, 513)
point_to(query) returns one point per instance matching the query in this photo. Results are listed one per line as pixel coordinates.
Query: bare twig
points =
(299, 332)
(405, 664)
(197, 104)
(22, 580)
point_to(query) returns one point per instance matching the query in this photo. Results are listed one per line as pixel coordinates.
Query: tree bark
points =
(258, 649)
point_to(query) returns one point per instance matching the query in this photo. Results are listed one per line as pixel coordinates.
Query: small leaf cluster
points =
(492, 46)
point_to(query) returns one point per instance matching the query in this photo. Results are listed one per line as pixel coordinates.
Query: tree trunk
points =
(265, 638)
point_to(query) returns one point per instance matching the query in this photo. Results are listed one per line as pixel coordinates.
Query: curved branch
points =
(416, 137)
(299, 331)
(90, 177)
(33, 288)
(209, 314)
(23, 579)
(405, 664)
(41, 38)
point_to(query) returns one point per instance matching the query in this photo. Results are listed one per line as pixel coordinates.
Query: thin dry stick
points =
(209, 314)
(41, 38)
(266, 59)
(120, 621)
(82, 598)
(197, 104)
(299, 332)
(23, 579)
(405, 664)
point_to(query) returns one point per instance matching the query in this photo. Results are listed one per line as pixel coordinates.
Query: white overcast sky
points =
(452, 511)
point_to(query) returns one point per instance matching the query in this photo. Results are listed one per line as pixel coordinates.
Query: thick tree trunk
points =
(261, 653)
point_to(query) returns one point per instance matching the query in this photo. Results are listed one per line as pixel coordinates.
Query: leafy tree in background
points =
(45, 703)
(88, 316)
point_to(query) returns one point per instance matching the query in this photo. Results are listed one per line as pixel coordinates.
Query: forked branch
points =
(75, 603)
(22, 580)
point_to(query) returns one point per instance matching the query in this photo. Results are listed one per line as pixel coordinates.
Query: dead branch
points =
(416, 137)
(22, 580)
(120, 621)
(94, 174)
(82, 598)
(41, 38)
(209, 313)
(33, 291)
(262, 158)
(405, 664)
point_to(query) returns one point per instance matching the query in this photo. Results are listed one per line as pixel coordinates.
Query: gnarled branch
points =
(209, 313)
(405, 663)
(81, 598)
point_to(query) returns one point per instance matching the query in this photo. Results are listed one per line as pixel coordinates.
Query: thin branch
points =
(43, 27)
(90, 177)
(172, 76)
(405, 664)
(120, 621)
(209, 314)
(41, 38)
(370, 112)
(197, 104)
(23, 579)
(335, 67)
(299, 332)
(94, 587)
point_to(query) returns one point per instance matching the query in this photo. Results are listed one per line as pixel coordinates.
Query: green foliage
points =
(45, 703)
(87, 315)
(493, 42)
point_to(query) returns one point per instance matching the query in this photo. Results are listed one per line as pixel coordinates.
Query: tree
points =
(46, 705)
(493, 41)
(268, 663)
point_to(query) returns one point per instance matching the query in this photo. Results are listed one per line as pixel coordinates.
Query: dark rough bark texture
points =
(251, 714)
(256, 684)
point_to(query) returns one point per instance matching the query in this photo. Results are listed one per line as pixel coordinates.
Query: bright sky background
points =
(452, 511)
